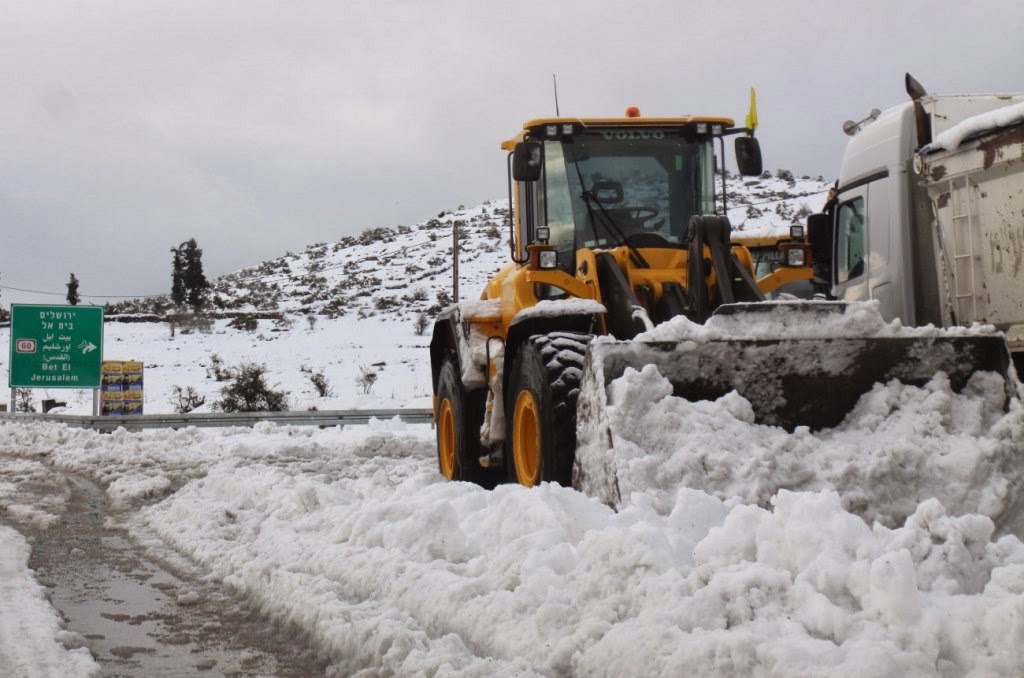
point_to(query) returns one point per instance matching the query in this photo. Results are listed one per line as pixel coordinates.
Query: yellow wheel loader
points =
(614, 228)
(781, 264)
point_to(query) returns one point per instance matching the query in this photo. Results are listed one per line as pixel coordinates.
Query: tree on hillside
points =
(72, 286)
(4, 314)
(177, 280)
(195, 281)
(188, 283)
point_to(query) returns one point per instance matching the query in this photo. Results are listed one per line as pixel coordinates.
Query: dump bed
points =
(975, 190)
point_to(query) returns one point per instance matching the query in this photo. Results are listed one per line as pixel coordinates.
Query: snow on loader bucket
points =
(811, 381)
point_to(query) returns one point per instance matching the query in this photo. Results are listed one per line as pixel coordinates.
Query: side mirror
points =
(748, 156)
(819, 234)
(526, 161)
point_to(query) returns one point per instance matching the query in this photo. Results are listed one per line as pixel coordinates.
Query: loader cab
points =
(601, 184)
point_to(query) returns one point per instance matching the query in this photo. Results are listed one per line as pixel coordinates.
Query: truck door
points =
(849, 268)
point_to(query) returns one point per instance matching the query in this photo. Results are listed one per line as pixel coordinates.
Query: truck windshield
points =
(606, 187)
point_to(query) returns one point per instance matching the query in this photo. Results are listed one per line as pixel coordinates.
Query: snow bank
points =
(421, 576)
(32, 641)
(900, 446)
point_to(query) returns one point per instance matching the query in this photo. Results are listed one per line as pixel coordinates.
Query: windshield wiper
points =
(609, 224)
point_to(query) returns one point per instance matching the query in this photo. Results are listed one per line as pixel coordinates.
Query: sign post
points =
(56, 346)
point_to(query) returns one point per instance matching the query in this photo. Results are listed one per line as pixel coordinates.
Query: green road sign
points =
(56, 346)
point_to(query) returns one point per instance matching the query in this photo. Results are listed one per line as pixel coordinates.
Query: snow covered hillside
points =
(359, 306)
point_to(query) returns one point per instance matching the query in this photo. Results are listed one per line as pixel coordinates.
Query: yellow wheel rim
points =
(446, 439)
(526, 439)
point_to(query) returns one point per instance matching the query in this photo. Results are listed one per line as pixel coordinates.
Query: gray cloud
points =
(262, 126)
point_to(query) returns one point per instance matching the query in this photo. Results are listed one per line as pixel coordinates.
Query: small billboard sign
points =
(121, 392)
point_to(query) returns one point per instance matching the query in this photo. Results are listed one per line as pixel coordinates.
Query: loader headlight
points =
(547, 259)
(795, 256)
(543, 234)
(796, 232)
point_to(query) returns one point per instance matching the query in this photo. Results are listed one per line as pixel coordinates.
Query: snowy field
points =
(337, 348)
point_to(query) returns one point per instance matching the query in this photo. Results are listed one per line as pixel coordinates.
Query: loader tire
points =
(541, 408)
(459, 416)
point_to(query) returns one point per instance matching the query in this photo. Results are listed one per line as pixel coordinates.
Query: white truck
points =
(927, 215)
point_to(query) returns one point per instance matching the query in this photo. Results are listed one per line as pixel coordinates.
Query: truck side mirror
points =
(526, 161)
(819, 234)
(748, 156)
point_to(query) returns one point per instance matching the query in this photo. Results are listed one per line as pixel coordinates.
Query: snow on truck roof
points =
(975, 125)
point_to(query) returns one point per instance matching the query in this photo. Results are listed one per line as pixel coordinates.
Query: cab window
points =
(556, 206)
(849, 260)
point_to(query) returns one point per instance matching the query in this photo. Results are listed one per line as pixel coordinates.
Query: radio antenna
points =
(554, 81)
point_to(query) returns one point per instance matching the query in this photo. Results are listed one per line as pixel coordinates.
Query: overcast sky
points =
(259, 127)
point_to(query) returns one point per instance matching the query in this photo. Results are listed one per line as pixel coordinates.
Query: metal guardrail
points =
(226, 419)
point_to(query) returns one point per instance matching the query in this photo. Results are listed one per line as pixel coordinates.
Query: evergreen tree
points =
(187, 280)
(72, 286)
(177, 278)
(192, 274)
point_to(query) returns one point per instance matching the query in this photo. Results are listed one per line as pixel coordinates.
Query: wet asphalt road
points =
(142, 616)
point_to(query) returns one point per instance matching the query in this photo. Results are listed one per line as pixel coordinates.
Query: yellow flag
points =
(752, 113)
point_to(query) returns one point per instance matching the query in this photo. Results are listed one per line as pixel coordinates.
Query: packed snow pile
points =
(353, 536)
(899, 446)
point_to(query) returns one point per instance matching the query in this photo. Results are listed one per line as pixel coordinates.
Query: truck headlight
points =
(795, 256)
(547, 259)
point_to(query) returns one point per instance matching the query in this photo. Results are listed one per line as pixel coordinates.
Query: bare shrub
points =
(366, 379)
(184, 400)
(421, 324)
(320, 383)
(250, 392)
(217, 370)
(23, 400)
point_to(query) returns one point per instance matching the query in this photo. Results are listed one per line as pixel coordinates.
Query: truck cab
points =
(930, 232)
(870, 257)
